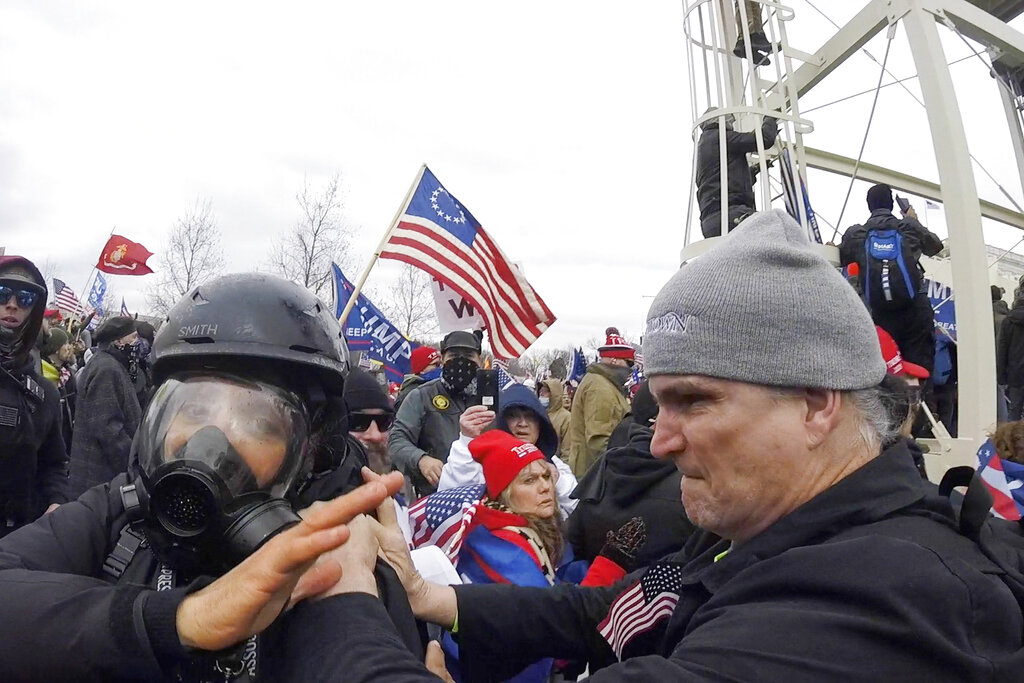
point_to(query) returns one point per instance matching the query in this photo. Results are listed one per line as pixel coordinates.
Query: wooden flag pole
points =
(376, 255)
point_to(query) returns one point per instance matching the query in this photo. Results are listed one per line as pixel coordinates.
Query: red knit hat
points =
(422, 356)
(616, 346)
(502, 456)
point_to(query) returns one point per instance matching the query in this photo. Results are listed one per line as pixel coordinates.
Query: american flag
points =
(442, 518)
(65, 297)
(124, 309)
(505, 378)
(636, 376)
(637, 610)
(1000, 483)
(435, 233)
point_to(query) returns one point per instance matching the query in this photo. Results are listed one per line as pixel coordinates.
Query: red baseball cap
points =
(894, 362)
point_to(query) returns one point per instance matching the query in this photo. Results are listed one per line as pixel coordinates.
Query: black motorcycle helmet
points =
(198, 495)
(253, 321)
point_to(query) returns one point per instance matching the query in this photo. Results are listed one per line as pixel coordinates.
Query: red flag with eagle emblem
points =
(121, 256)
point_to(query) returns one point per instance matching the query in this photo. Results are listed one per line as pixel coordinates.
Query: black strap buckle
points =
(121, 556)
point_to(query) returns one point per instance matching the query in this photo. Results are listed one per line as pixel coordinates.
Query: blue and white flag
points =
(369, 331)
(578, 367)
(96, 294)
(941, 298)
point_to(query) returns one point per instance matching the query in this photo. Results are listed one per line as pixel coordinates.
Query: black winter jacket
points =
(919, 239)
(869, 580)
(741, 178)
(33, 461)
(53, 591)
(629, 482)
(1010, 348)
(107, 414)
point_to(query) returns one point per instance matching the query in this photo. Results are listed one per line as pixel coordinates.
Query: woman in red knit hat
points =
(517, 520)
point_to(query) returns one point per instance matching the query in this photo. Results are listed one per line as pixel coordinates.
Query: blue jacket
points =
(521, 396)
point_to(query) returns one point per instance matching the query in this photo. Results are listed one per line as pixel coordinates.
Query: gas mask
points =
(216, 456)
(459, 374)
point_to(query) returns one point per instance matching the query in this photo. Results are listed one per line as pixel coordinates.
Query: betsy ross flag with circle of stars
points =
(436, 233)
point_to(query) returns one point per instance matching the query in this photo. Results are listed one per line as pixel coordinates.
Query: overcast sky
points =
(563, 126)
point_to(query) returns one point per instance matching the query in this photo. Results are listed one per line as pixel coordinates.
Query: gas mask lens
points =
(250, 435)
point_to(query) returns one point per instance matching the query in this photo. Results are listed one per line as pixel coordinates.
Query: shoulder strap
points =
(130, 539)
(974, 510)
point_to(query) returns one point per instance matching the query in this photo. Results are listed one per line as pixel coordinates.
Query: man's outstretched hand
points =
(249, 597)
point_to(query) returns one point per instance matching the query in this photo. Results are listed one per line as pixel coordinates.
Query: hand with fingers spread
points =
(249, 597)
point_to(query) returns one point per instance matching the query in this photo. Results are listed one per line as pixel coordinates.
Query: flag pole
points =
(85, 290)
(376, 255)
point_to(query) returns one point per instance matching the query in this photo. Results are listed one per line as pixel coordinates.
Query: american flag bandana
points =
(637, 610)
(442, 518)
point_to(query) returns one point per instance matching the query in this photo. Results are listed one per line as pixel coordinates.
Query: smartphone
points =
(904, 203)
(487, 389)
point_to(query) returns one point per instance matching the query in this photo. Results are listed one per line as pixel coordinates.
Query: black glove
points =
(622, 545)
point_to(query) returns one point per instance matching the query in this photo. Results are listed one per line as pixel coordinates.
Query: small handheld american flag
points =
(653, 598)
(442, 518)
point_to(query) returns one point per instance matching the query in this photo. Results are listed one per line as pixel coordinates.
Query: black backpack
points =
(889, 272)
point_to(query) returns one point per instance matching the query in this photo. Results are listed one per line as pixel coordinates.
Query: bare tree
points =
(321, 235)
(192, 256)
(409, 303)
(47, 268)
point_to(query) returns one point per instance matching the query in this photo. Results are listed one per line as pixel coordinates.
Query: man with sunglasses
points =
(33, 473)
(370, 418)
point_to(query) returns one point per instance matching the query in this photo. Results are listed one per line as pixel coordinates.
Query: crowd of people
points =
(249, 505)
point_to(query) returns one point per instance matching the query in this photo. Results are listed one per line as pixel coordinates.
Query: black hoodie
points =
(1010, 347)
(629, 482)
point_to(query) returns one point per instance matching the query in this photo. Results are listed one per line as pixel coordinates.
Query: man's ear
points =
(822, 414)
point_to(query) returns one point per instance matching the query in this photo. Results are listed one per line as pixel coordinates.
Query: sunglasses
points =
(360, 422)
(26, 298)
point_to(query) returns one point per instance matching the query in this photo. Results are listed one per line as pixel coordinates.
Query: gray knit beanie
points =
(762, 307)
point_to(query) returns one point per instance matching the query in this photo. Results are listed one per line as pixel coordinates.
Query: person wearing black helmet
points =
(33, 460)
(428, 419)
(180, 568)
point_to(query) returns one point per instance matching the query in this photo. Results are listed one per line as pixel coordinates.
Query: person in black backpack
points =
(888, 251)
(192, 566)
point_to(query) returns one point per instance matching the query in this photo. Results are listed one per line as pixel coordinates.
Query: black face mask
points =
(459, 375)
(123, 354)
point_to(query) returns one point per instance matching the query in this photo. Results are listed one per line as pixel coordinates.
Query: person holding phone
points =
(522, 416)
(428, 419)
(894, 287)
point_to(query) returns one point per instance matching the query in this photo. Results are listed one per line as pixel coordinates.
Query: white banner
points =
(453, 311)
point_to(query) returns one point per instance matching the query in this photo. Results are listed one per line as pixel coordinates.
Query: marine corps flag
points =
(121, 256)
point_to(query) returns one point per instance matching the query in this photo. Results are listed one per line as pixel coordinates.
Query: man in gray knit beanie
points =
(820, 558)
